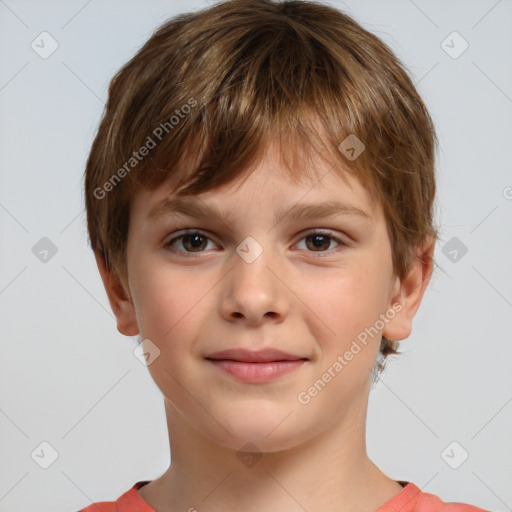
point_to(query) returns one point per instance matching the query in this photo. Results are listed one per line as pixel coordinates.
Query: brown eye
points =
(195, 242)
(190, 242)
(320, 242)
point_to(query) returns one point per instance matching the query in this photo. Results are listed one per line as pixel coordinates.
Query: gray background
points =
(68, 378)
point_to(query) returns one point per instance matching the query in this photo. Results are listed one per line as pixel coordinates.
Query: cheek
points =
(168, 313)
(169, 302)
(346, 301)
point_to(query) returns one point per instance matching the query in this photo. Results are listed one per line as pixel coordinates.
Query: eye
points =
(319, 241)
(197, 242)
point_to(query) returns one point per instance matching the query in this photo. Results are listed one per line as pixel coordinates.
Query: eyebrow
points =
(188, 207)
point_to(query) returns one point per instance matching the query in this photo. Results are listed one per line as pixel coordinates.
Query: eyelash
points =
(168, 245)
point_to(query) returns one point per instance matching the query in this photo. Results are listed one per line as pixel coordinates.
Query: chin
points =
(261, 429)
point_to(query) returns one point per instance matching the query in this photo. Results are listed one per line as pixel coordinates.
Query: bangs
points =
(272, 85)
(200, 167)
(206, 96)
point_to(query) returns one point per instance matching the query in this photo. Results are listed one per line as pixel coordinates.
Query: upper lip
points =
(251, 356)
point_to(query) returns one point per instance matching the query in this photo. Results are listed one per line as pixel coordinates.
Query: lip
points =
(256, 366)
(254, 356)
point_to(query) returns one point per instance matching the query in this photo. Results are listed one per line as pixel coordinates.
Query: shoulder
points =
(130, 501)
(100, 506)
(429, 502)
(413, 499)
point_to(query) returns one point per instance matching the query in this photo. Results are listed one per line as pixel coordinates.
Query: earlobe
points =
(409, 293)
(119, 299)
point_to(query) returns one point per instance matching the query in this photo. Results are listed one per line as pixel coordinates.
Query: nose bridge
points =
(254, 292)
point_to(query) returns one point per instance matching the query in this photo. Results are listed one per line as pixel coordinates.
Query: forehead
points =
(288, 182)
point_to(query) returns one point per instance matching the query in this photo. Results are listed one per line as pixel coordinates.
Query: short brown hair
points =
(226, 81)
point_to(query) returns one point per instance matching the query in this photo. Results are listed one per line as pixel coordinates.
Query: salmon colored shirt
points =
(410, 499)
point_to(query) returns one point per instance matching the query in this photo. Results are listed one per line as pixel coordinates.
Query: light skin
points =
(305, 299)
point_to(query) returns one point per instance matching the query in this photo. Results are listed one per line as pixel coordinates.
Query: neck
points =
(312, 476)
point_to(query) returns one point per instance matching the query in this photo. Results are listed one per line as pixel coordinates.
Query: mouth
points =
(256, 366)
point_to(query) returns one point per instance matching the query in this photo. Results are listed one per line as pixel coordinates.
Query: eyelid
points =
(340, 240)
(331, 234)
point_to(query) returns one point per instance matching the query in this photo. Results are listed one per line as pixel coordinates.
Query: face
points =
(305, 285)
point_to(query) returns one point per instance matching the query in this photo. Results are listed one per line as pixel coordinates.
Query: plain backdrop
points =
(74, 398)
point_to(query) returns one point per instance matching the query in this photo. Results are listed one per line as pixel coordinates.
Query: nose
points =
(254, 291)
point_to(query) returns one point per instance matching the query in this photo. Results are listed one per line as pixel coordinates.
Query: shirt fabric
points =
(409, 499)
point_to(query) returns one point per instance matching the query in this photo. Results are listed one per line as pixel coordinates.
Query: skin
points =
(190, 304)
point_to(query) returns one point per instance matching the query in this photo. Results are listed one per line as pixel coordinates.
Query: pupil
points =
(195, 241)
(318, 240)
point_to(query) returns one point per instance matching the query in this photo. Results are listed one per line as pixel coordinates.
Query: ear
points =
(409, 292)
(120, 300)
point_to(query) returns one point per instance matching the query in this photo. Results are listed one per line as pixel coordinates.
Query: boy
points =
(291, 143)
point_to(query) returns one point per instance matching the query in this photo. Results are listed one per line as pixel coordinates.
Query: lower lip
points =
(257, 372)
